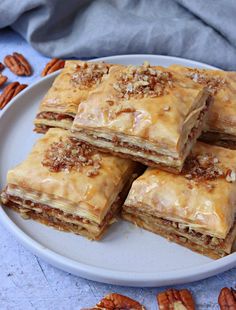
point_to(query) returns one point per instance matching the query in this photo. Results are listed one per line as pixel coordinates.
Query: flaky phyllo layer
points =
(196, 208)
(60, 219)
(222, 116)
(183, 234)
(70, 88)
(66, 184)
(145, 113)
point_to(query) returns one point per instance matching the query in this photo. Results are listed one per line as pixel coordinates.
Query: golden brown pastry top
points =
(222, 85)
(150, 103)
(72, 86)
(72, 178)
(203, 196)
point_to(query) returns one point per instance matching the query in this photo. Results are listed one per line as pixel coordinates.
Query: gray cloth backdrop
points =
(203, 30)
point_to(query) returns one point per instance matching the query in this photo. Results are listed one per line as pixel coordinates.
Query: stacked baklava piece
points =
(104, 124)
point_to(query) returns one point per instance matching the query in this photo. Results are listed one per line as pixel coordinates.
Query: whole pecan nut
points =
(18, 64)
(52, 66)
(1, 66)
(9, 92)
(227, 299)
(117, 302)
(3, 79)
(175, 299)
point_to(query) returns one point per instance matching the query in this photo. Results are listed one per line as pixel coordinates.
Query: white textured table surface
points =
(26, 282)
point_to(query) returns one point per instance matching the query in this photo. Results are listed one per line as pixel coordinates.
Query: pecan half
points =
(175, 299)
(1, 66)
(3, 79)
(18, 64)
(227, 299)
(52, 66)
(117, 302)
(9, 92)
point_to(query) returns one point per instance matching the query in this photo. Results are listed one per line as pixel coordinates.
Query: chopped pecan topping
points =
(3, 79)
(206, 167)
(202, 167)
(174, 299)
(227, 299)
(118, 302)
(9, 92)
(1, 66)
(18, 64)
(89, 74)
(166, 108)
(230, 176)
(69, 154)
(52, 66)
(213, 83)
(142, 81)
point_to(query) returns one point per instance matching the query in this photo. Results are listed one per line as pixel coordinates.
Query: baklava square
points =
(196, 208)
(221, 125)
(65, 184)
(70, 88)
(148, 114)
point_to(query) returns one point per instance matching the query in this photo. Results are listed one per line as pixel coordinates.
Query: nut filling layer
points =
(144, 155)
(183, 234)
(143, 81)
(59, 219)
(54, 116)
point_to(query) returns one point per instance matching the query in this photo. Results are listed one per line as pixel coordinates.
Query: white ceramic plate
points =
(127, 255)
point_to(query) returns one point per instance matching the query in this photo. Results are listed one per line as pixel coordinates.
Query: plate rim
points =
(100, 274)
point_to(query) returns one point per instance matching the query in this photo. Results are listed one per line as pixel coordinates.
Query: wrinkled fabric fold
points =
(200, 30)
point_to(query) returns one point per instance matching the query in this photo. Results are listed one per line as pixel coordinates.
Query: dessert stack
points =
(122, 140)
